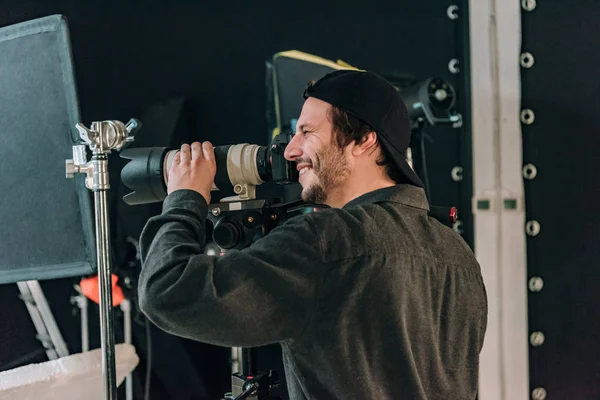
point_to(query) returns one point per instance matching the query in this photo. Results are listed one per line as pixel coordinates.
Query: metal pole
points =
(81, 302)
(126, 307)
(102, 138)
(83, 306)
(236, 360)
(107, 338)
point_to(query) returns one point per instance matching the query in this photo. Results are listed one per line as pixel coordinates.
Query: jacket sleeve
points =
(252, 297)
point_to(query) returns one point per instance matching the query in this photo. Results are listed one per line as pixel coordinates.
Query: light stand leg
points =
(107, 338)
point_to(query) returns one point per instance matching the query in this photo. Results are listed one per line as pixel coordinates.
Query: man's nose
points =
(293, 149)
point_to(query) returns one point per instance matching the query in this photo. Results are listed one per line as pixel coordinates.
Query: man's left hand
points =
(194, 168)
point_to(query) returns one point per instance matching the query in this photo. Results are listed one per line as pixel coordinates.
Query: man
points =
(369, 299)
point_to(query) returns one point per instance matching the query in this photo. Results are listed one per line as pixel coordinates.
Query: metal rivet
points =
(528, 5)
(456, 173)
(529, 171)
(452, 66)
(457, 226)
(527, 116)
(536, 284)
(216, 211)
(452, 11)
(538, 394)
(527, 60)
(251, 219)
(532, 228)
(537, 339)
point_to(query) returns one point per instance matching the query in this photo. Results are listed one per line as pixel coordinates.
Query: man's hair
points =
(347, 128)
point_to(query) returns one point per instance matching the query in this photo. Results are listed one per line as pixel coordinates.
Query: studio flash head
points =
(430, 101)
(240, 167)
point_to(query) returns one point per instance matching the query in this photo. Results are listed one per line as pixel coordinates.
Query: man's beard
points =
(331, 170)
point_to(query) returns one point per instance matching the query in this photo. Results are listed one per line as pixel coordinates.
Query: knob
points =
(71, 168)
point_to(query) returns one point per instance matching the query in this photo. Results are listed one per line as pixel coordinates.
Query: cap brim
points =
(399, 159)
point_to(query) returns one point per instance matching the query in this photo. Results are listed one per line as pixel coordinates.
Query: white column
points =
(495, 38)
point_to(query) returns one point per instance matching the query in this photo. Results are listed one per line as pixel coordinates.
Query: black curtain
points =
(561, 89)
(134, 58)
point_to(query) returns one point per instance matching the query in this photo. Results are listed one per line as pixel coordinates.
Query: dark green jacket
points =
(376, 300)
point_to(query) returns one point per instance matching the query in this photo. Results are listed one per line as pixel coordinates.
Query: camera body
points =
(282, 170)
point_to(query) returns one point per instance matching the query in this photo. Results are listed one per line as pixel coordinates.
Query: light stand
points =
(102, 138)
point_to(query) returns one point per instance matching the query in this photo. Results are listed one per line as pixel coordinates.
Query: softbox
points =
(46, 220)
(288, 75)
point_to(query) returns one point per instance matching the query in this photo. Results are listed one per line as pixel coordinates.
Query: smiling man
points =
(369, 299)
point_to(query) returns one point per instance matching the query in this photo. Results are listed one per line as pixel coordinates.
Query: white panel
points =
(484, 182)
(513, 250)
(497, 158)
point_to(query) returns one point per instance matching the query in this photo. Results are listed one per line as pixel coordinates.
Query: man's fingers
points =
(196, 151)
(208, 151)
(185, 155)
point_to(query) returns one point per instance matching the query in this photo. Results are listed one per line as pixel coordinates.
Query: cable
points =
(424, 165)
(148, 361)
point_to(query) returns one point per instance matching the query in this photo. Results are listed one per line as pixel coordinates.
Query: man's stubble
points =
(331, 170)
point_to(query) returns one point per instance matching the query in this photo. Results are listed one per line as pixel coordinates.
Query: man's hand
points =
(194, 168)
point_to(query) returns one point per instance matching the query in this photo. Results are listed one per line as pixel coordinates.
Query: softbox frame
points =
(46, 220)
(288, 75)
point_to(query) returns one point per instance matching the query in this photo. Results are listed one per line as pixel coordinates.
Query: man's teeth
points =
(304, 170)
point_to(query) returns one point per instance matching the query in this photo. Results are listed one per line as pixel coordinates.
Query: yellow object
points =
(299, 55)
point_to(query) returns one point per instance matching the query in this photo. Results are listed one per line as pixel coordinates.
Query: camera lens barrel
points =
(144, 175)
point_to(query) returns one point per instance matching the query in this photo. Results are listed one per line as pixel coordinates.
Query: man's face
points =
(322, 164)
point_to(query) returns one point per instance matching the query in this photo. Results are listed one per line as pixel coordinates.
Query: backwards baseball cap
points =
(374, 100)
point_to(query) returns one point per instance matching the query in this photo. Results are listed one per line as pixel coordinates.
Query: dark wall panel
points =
(562, 142)
(130, 56)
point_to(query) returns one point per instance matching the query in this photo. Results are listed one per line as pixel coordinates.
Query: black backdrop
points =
(131, 56)
(562, 142)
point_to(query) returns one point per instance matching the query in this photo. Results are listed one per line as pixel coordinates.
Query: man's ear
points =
(368, 143)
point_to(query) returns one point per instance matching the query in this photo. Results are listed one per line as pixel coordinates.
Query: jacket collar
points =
(408, 195)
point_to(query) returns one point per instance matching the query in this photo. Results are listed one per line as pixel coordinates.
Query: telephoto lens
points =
(239, 166)
(147, 174)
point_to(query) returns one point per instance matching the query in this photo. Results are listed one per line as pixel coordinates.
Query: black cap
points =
(374, 100)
